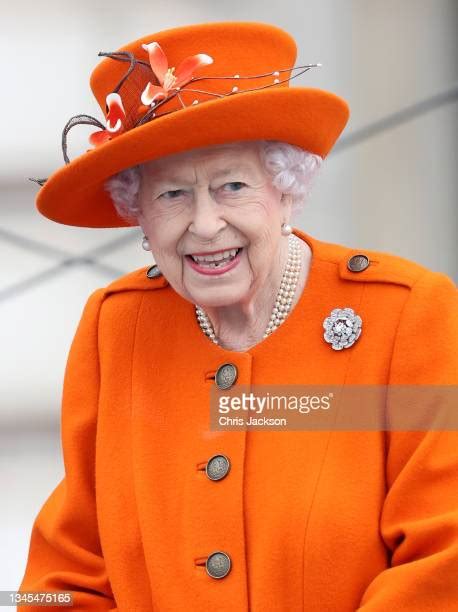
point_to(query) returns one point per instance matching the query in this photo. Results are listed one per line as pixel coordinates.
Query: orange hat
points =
(231, 83)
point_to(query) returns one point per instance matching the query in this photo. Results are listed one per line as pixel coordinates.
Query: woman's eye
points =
(238, 185)
(172, 194)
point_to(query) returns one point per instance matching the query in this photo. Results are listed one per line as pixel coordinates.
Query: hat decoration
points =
(169, 83)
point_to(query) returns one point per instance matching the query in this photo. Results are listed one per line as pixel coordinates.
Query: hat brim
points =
(307, 117)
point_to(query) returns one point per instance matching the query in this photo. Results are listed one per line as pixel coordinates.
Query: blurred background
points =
(390, 183)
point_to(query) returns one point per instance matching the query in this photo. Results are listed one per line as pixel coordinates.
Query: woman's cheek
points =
(171, 208)
(255, 264)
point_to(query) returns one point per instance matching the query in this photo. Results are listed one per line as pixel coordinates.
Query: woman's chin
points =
(217, 297)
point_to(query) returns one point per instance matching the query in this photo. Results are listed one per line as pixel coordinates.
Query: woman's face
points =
(208, 201)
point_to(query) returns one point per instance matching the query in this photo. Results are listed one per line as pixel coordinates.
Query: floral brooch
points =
(342, 328)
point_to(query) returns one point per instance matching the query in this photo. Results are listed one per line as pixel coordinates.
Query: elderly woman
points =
(160, 511)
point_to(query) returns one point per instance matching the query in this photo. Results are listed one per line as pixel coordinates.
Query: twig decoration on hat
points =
(171, 83)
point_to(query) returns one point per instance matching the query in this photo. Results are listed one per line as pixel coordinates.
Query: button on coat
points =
(358, 263)
(226, 376)
(153, 271)
(217, 467)
(218, 564)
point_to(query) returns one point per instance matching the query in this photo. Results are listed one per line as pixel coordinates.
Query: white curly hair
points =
(291, 169)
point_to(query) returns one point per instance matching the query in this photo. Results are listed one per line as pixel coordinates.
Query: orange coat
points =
(314, 521)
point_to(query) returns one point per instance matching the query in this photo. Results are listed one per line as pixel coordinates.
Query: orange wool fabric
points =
(322, 521)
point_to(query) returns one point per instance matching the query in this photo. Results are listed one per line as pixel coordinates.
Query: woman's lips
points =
(214, 271)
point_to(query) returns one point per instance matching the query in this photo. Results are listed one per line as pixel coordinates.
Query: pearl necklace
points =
(284, 299)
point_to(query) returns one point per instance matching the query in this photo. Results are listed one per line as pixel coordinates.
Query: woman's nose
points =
(206, 216)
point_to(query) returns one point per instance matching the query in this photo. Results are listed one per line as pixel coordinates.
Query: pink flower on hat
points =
(115, 117)
(169, 78)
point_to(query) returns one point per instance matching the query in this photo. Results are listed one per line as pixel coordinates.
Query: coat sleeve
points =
(419, 519)
(64, 551)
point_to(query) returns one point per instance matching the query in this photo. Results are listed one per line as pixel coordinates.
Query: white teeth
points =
(217, 257)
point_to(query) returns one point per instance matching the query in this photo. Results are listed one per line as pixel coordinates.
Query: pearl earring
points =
(286, 229)
(146, 244)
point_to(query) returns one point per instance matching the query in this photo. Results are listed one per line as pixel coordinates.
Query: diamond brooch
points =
(342, 328)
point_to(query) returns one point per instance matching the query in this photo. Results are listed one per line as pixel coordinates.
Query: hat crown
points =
(237, 48)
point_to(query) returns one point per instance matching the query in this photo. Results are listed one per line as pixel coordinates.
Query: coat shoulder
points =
(368, 265)
(147, 278)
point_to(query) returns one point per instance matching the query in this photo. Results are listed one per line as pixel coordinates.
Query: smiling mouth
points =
(215, 260)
